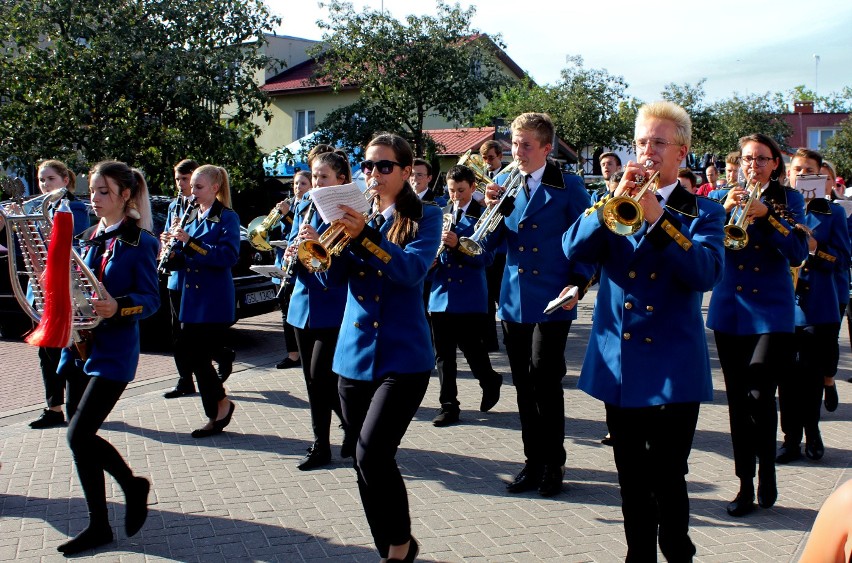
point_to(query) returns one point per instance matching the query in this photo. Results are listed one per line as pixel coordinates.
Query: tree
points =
(148, 82)
(584, 106)
(738, 116)
(691, 98)
(406, 70)
(839, 149)
(835, 102)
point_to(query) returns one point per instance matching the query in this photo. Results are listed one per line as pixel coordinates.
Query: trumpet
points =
(315, 255)
(622, 214)
(736, 236)
(495, 212)
(449, 223)
(259, 227)
(186, 217)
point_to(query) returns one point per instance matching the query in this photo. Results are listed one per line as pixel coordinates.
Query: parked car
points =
(255, 294)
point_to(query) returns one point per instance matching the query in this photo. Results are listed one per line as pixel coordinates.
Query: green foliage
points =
(589, 107)
(405, 70)
(839, 149)
(148, 82)
(835, 102)
(738, 116)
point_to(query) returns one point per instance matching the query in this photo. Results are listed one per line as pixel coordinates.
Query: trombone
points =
(736, 236)
(495, 212)
(622, 214)
(315, 255)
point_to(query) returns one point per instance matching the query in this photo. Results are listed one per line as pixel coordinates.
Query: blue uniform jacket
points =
(384, 328)
(756, 292)
(536, 268)
(648, 345)
(719, 194)
(458, 285)
(175, 280)
(816, 292)
(207, 294)
(314, 305)
(130, 277)
(842, 274)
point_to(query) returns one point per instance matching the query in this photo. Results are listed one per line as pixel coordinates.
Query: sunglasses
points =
(383, 166)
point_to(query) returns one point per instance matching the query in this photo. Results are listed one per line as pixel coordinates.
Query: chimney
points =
(803, 107)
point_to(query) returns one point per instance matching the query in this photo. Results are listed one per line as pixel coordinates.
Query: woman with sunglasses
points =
(384, 352)
(752, 315)
(315, 313)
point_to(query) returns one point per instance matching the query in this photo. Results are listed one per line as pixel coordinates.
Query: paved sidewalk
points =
(239, 496)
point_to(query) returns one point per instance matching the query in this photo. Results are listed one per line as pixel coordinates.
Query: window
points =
(305, 123)
(818, 137)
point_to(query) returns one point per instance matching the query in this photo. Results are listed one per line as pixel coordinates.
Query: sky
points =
(743, 47)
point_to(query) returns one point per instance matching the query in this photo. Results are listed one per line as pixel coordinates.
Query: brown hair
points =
(218, 176)
(733, 158)
(808, 154)
(318, 150)
(63, 171)
(488, 145)
(127, 178)
(337, 161)
(610, 154)
(688, 174)
(186, 166)
(780, 171)
(408, 206)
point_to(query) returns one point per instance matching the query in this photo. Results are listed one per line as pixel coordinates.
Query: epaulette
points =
(598, 204)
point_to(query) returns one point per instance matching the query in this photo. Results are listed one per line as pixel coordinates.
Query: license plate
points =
(260, 296)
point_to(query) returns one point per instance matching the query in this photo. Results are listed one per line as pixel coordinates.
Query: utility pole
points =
(816, 75)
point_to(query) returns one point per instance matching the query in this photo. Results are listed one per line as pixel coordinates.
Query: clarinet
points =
(293, 261)
(191, 205)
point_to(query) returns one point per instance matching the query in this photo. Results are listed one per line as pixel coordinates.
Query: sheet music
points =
(328, 201)
(269, 271)
(811, 186)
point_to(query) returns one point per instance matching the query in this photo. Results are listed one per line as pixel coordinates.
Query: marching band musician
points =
(207, 249)
(315, 314)
(536, 272)
(800, 395)
(457, 302)
(492, 154)
(53, 175)
(384, 356)
(122, 253)
(752, 316)
(282, 231)
(647, 358)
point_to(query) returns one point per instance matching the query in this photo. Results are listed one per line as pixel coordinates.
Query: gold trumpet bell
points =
(623, 215)
(313, 256)
(258, 235)
(736, 238)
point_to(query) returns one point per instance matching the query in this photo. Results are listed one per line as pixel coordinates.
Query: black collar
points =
(129, 233)
(553, 176)
(683, 201)
(819, 205)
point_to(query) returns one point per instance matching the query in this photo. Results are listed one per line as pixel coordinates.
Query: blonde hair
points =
(670, 112)
(138, 206)
(219, 176)
(539, 124)
(63, 170)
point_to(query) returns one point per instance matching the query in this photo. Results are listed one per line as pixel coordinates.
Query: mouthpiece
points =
(372, 185)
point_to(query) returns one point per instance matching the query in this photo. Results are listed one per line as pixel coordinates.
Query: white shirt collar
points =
(666, 191)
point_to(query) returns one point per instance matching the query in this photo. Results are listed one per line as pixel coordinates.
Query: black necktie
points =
(527, 185)
(659, 198)
(459, 214)
(380, 220)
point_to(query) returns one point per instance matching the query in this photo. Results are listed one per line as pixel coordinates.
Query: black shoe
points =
(491, 393)
(814, 448)
(528, 479)
(90, 538)
(176, 392)
(767, 489)
(788, 452)
(742, 505)
(551, 480)
(226, 364)
(136, 509)
(318, 456)
(447, 415)
(347, 449)
(831, 399)
(288, 363)
(607, 440)
(413, 550)
(218, 425)
(48, 419)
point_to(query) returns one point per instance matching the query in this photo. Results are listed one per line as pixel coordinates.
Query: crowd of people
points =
(414, 280)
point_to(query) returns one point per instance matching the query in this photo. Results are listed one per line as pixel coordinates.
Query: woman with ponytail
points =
(384, 350)
(122, 253)
(207, 249)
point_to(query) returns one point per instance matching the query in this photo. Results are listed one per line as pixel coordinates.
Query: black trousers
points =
(460, 330)
(800, 391)
(753, 362)
(316, 350)
(537, 359)
(493, 280)
(651, 447)
(183, 356)
(91, 399)
(54, 384)
(378, 413)
(290, 343)
(199, 341)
